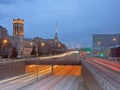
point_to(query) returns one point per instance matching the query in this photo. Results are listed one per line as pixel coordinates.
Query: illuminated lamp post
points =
(51, 48)
(114, 40)
(59, 45)
(42, 45)
(99, 43)
(31, 44)
(4, 42)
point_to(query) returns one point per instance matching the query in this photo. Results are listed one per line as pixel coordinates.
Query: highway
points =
(106, 63)
(107, 69)
(19, 82)
(103, 62)
(111, 75)
(63, 78)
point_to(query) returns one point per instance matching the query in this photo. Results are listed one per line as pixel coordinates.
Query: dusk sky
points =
(77, 20)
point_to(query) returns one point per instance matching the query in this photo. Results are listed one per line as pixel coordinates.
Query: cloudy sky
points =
(77, 20)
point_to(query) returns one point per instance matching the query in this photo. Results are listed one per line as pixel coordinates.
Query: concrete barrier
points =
(95, 80)
(11, 69)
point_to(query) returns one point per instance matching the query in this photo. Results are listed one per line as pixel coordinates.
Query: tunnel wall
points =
(11, 69)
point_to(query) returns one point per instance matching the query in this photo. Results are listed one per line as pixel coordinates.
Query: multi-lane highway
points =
(13, 84)
(63, 78)
(39, 77)
(107, 72)
(103, 62)
(106, 63)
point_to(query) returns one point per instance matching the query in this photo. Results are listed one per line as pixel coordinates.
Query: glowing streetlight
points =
(42, 44)
(59, 45)
(5, 41)
(100, 47)
(99, 43)
(31, 43)
(114, 39)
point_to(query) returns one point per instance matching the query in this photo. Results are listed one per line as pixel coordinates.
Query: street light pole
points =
(52, 68)
(42, 44)
(4, 42)
(37, 62)
(37, 69)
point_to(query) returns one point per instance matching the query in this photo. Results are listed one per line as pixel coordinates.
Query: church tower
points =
(18, 35)
(56, 35)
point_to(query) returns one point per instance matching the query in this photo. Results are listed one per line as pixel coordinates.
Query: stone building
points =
(24, 45)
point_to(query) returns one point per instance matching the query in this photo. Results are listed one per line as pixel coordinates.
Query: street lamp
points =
(51, 48)
(114, 39)
(99, 43)
(4, 42)
(59, 45)
(37, 69)
(42, 44)
(31, 44)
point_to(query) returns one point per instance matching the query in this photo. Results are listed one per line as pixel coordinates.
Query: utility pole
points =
(52, 67)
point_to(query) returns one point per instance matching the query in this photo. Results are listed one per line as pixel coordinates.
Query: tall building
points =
(105, 41)
(18, 35)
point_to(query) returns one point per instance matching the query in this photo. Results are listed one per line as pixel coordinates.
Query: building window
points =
(21, 30)
(16, 30)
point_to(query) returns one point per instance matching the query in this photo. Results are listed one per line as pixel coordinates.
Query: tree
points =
(14, 53)
(33, 51)
(39, 51)
(4, 52)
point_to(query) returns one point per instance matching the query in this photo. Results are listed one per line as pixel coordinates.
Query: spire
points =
(56, 30)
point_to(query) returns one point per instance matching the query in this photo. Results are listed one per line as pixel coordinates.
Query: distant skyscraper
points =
(18, 35)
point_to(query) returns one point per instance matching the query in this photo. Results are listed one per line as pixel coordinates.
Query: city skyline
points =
(77, 20)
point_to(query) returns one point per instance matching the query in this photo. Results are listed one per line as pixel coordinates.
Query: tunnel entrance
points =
(56, 69)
